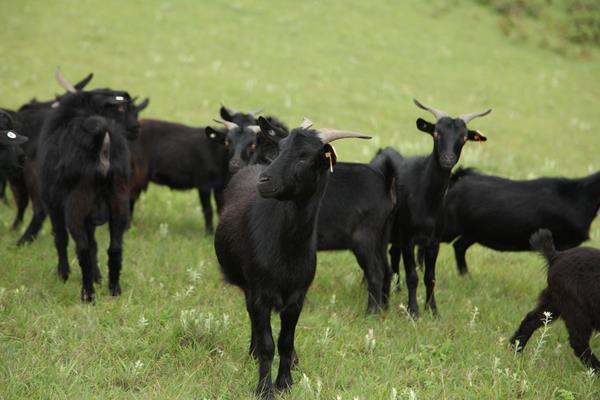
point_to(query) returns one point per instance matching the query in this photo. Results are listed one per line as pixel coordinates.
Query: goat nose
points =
(448, 159)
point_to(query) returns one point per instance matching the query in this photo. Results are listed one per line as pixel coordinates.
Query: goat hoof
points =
(87, 296)
(63, 275)
(283, 384)
(24, 240)
(414, 313)
(264, 392)
(115, 289)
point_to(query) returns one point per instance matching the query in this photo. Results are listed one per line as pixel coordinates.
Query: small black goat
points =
(502, 214)
(240, 137)
(421, 184)
(266, 241)
(573, 293)
(83, 165)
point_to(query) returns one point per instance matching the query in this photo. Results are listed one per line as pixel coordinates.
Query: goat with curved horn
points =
(329, 135)
(228, 125)
(468, 117)
(437, 113)
(63, 82)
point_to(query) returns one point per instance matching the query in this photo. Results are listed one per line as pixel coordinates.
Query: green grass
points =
(178, 331)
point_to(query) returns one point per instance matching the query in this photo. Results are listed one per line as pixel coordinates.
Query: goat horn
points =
(254, 128)
(437, 113)
(228, 125)
(63, 82)
(468, 117)
(329, 135)
(306, 123)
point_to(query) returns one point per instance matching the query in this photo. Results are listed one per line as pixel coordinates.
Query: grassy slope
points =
(349, 64)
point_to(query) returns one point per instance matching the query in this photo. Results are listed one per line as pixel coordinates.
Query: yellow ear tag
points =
(328, 155)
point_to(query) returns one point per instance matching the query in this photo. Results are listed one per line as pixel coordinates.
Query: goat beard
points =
(104, 160)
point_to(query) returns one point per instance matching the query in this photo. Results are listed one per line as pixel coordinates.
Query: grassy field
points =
(178, 331)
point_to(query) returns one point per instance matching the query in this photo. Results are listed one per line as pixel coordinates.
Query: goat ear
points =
(226, 113)
(140, 107)
(83, 83)
(476, 136)
(269, 132)
(215, 135)
(425, 126)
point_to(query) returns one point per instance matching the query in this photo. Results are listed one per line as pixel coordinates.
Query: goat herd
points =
(84, 158)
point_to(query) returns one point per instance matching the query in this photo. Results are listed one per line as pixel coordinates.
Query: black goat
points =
(12, 157)
(239, 137)
(30, 176)
(421, 184)
(28, 121)
(355, 214)
(180, 157)
(573, 293)
(266, 241)
(502, 213)
(83, 165)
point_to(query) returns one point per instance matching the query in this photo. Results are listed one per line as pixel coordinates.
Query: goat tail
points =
(542, 242)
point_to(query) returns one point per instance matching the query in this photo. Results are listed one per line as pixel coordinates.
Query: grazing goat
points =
(421, 184)
(355, 214)
(83, 165)
(12, 157)
(502, 214)
(28, 121)
(573, 293)
(266, 241)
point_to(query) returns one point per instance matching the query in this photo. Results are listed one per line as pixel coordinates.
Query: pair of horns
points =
(441, 114)
(232, 125)
(329, 135)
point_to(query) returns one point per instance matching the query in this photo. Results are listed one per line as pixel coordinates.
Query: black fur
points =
(420, 186)
(354, 215)
(241, 142)
(266, 244)
(573, 293)
(76, 193)
(502, 214)
(24, 185)
(180, 157)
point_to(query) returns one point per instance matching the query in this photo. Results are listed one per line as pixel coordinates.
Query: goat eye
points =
(227, 143)
(252, 146)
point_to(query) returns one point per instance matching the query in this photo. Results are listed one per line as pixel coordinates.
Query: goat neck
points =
(437, 180)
